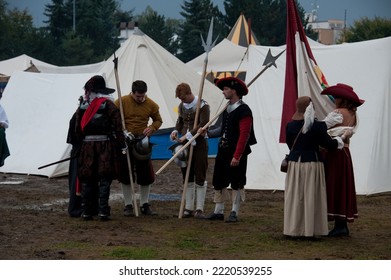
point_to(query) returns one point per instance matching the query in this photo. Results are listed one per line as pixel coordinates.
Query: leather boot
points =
(340, 229)
(146, 210)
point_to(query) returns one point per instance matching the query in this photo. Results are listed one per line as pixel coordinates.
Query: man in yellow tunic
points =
(138, 110)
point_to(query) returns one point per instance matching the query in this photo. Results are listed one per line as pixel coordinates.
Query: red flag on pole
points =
(303, 77)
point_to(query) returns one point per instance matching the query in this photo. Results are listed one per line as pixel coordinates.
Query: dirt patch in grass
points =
(35, 226)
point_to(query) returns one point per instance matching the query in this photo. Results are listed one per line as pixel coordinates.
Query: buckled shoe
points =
(232, 218)
(146, 210)
(214, 217)
(187, 213)
(104, 217)
(86, 217)
(128, 210)
(199, 214)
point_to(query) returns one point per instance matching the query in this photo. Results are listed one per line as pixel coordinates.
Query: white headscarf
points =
(309, 116)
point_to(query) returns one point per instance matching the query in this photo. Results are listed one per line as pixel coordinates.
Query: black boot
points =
(104, 214)
(340, 229)
(146, 210)
(104, 195)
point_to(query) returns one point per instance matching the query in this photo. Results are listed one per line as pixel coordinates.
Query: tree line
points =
(91, 34)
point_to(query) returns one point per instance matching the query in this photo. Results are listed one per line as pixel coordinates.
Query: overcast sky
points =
(326, 9)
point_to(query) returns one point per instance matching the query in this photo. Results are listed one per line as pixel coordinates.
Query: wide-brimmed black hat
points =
(233, 83)
(98, 84)
(345, 92)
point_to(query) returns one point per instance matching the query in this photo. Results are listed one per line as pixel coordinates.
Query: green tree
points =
(123, 16)
(4, 34)
(60, 18)
(18, 35)
(159, 29)
(367, 29)
(96, 21)
(198, 15)
(268, 18)
(77, 50)
(18, 32)
(44, 47)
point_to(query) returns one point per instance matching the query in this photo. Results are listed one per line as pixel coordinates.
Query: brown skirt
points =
(340, 185)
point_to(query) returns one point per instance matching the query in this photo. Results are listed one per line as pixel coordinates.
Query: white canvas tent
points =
(228, 59)
(27, 63)
(367, 67)
(21, 63)
(225, 59)
(142, 58)
(40, 105)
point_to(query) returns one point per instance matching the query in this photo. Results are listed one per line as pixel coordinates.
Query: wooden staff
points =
(207, 47)
(121, 108)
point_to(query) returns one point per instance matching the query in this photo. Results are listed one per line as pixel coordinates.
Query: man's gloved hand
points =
(333, 118)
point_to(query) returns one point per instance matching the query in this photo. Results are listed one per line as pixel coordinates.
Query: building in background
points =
(329, 32)
(126, 30)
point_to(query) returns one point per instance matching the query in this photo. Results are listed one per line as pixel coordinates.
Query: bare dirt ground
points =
(34, 225)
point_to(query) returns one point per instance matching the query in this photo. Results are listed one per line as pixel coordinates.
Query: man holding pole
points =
(237, 135)
(138, 109)
(185, 130)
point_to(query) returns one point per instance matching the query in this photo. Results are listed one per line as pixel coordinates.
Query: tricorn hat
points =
(98, 84)
(345, 92)
(233, 83)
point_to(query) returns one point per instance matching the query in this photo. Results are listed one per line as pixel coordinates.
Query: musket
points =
(59, 161)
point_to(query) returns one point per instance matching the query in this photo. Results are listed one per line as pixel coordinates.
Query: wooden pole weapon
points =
(207, 47)
(121, 108)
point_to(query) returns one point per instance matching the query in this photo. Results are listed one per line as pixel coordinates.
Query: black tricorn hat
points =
(98, 84)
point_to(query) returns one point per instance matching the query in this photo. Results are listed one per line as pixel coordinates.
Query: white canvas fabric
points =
(40, 105)
(141, 58)
(20, 63)
(366, 66)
